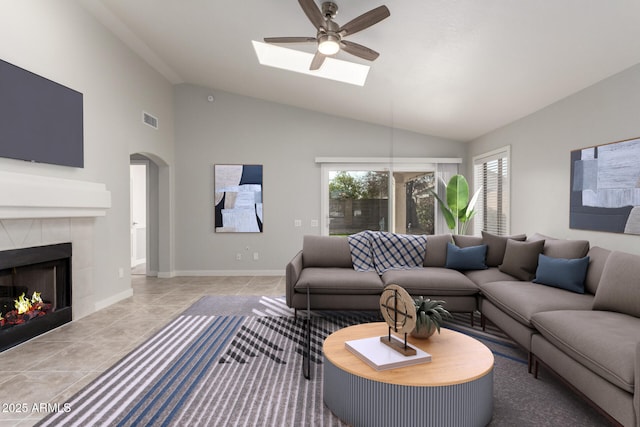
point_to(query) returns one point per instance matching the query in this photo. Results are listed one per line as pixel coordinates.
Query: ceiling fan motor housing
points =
(329, 37)
(329, 9)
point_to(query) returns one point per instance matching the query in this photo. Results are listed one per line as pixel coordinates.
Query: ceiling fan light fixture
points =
(328, 44)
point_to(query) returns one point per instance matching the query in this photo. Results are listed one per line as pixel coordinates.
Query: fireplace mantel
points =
(35, 196)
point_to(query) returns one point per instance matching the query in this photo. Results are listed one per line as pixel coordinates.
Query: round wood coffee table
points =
(454, 389)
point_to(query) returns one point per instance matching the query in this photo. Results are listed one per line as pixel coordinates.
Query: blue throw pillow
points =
(469, 258)
(562, 273)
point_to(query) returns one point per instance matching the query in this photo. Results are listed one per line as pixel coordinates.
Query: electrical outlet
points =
(297, 223)
(238, 256)
(256, 256)
(314, 222)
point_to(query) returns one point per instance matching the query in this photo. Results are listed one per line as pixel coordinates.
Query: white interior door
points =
(138, 206)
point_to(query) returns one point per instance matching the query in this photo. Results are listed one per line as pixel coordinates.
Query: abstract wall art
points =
(238, 198)
(605, 188)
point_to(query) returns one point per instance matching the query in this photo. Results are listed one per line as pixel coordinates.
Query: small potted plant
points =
(429, 316)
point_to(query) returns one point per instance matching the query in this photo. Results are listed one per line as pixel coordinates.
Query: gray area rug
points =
(236, 361)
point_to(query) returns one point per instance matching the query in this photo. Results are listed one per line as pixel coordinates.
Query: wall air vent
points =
(149, 120)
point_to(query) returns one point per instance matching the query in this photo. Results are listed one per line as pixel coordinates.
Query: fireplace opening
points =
(35, 292)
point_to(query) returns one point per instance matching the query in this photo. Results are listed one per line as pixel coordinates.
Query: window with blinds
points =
(491, 171)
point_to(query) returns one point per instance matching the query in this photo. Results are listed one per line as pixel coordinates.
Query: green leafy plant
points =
(458, 209)
(430, 314)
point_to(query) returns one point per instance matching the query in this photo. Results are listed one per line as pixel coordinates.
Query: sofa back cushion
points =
(496, 245)
(597, 259)
(569, 249)
(326, 251)
(463, 241)
(436, 254)
(619, 288)
(561, 248)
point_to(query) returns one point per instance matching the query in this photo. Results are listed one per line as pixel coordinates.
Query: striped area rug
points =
(214, 371)
(229, 370)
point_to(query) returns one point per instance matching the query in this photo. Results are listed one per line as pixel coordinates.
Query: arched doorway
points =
(151, 230)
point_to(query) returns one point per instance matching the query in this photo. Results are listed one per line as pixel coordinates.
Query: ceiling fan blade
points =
(313, 13)
(365, 20)
(318, 60)
(290, 40)
(359, 50)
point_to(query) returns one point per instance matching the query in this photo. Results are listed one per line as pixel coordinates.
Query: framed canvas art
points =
(238, 198)
(605, 187)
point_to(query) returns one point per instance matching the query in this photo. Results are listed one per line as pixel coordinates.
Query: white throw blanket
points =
(381, 251)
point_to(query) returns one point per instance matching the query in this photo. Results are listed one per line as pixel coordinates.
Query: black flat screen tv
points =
(40, 120)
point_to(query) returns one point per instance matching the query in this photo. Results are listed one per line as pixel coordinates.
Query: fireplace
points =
(45, 270)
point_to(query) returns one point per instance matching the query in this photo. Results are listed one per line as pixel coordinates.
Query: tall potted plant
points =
(458, 209)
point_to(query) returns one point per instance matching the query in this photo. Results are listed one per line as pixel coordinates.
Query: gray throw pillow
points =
(521, 259)
(496, 245)
(619, 288)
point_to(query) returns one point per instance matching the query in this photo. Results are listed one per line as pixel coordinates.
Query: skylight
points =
(293, 60)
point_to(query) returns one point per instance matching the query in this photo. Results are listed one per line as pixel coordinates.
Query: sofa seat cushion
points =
(431, 281)
(521, 300)
(345, 281)
(605, 342)
(492, 274)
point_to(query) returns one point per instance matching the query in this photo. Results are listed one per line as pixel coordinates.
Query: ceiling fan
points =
(330, 36)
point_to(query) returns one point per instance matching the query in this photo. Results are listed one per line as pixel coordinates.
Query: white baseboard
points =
(99, 305)
(165, 274)
(204, 273)
(138, 262)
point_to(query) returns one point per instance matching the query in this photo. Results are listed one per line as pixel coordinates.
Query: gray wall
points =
(240, 130)
(61, 41)
(540, 148)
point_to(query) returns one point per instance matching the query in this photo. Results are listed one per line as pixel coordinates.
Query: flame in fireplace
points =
(25, 310)
(24, 305)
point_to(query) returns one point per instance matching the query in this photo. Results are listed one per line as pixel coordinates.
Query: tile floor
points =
(54, 366)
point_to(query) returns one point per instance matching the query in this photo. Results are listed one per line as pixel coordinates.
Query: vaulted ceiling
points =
(451, 68)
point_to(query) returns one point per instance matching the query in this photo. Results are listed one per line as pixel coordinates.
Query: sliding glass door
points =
(358, 200)
(358, 197)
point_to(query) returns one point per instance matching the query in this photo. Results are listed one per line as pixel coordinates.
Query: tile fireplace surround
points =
(37, 210)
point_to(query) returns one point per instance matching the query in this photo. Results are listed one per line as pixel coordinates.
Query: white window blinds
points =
(491, 171)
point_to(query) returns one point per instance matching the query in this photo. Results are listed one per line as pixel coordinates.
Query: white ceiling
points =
(451, 68)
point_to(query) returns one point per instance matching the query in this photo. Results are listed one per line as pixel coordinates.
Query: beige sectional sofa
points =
(589, 335)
